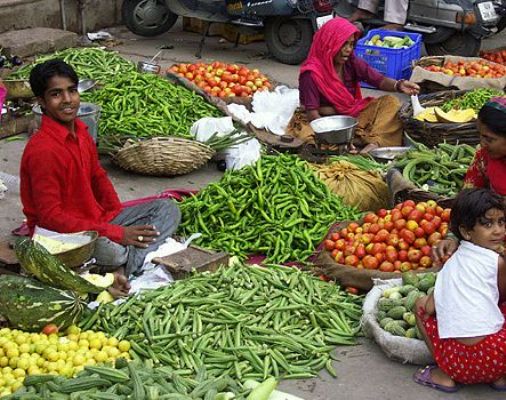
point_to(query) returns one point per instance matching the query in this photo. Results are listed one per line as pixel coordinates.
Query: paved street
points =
(364, 372)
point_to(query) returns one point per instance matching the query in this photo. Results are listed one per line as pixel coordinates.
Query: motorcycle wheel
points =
(288, 39)
(147, 17)
(459, 44)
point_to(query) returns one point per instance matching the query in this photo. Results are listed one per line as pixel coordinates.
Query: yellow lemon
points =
(73, 330)
(19, 373)
(124, 346)
(101, 356)
(95, 343)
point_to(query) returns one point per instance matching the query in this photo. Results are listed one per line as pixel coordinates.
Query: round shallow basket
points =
(430, 133)
(163, 156)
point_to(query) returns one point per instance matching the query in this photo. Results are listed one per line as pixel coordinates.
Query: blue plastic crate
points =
(393, 63)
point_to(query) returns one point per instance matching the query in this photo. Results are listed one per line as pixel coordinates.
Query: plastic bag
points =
(204, 128)
(412, 351)
(274, 110)
(240, 112)
(246, 153)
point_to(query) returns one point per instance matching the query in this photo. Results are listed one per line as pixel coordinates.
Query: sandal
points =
(423, 377)
(499, 388)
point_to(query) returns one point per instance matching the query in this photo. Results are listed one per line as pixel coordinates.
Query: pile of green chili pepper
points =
(277, 207)
(440, 170)
(88, 62)
(474, 99)
(248, 322)
(144, 105)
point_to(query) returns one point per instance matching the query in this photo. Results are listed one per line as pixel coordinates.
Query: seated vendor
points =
(329, 84)
(65, 189)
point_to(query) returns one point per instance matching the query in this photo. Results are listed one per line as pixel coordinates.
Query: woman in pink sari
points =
(329, 84)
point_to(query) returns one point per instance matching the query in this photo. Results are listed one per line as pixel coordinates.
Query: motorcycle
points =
(454, 27)
(288, 25)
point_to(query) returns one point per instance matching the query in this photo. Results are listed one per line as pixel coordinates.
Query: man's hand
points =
(120, 287)
(409, 88)
(139, 235)
(442, 250)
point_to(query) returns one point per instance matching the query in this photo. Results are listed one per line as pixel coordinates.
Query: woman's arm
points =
(402, 86)
(501, 279)
(320, 112)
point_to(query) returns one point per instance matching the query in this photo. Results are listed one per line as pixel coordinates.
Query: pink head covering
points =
(327, 42)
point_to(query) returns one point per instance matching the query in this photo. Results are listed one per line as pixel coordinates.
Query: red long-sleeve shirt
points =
(63, 186)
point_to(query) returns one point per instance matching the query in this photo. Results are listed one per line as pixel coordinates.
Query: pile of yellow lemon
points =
(23, 353)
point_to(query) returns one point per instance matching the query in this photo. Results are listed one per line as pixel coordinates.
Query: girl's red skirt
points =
(484, 362)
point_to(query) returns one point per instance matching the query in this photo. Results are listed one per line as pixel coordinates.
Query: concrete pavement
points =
(364, 372)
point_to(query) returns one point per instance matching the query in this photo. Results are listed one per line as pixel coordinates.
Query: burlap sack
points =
(432, 80)
(362, 279)
(410, 351)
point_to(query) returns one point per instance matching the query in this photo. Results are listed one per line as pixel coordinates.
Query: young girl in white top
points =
(463, 320)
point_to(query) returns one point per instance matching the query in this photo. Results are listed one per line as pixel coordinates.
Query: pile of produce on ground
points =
(276, 207)
(25, 354)
(474, 99)
(357, 180)
(134, 380)
(440, 170)
(142, 106)
(396, 308)
(390, 42)
(88, 62)
(473, 69)
(248, 322)
(498, 56)
(462, 109)
(223, 80)
(391, 240)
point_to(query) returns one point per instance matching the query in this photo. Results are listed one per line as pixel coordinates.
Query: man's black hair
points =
(42, 73)
(494, 119)
(470, 208)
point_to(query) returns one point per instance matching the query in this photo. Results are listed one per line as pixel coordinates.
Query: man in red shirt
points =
(64, 188)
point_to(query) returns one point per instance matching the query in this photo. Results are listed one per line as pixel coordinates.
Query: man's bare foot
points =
(392, 27)
(120, 287)
(439, 377)
(499, 384)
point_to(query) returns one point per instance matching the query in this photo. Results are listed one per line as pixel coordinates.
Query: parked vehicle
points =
(288, 25)
(449, 27)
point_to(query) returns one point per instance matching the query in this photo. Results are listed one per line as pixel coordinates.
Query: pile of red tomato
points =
(396, 240)
(474, 69)
(497, 56)
(223, 80)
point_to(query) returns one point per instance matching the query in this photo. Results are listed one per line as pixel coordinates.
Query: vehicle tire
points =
(288, 39)
(459, 44)
(147, 17)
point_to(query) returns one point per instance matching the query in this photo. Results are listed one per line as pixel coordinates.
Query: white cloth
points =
(466, 294)
(396, 11)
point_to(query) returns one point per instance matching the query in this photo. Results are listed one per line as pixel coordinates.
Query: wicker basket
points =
(430, 133)
(163, 156)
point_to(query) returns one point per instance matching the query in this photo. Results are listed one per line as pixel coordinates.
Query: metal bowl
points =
(148, 68)
(388, 153)
(86, 84)
(18, 89)
(336, 129)
(76, 257)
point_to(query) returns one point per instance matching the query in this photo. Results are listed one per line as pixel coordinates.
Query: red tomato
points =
(393, 240)
(414, 255)
(50, 329)
(335, 236)
(353, 227)
(406, 210)
(425, 262)
(374, 228)
(409, 203)
(370, 218)
(329, 245)
(408, 236)
(419, 232)
(387, 266)
(351, 260)
(405, 266)
(403, 245)
(415, 215)
(445, 215)
(419, 243)
(340, 244)
(429, 228)
(349, 250)
(370, 262)
(402, 255)
(434, 238)
(360, 251)
(400, 224)
(382, 213)
(351, 290)
(391, 255)
(426, 250)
